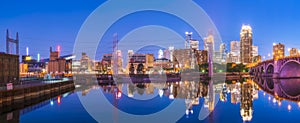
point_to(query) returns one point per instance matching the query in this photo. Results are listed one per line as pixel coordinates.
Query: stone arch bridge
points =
(284, 68)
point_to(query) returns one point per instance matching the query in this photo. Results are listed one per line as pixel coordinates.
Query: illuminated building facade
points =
(278, 51)
(31, 66)
(223, 52)
(294, 52)
(201, 57)
(57, 64)
(246, 44)
(194, 44)
(235, 51)
(182, 58)
(107, 63)
(117, 62)
(146, 60)
(209, 44)
(163, 63)
(246, 101)
(254, 51)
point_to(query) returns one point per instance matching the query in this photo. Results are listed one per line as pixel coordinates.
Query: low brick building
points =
(9, 69)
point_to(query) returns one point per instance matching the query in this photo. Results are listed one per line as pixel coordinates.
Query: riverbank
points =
(28, 94)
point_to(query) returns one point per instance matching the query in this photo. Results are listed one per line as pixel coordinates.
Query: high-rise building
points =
(246, 44)
(107, 63)
(182, 58)
(294, 52)
(246, 107)
(168, 53)
(187, 39)
(160, 54)
(278, 51)
(254, 51)
(223, 52)
(194, 44)
(117, 62)
(209, 44)
(235, 51)
(201, 57)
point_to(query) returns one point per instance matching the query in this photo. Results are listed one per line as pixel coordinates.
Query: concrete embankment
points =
(28, 95)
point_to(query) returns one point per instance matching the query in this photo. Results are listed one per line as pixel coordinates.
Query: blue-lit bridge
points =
(288, 67)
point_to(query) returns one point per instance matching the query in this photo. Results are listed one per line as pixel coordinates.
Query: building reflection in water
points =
(242, 92)
(246, 101)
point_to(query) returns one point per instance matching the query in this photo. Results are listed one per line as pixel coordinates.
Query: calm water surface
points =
(247, 100)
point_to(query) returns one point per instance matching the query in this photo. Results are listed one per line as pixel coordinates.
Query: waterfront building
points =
(106, 62)
(163, 64)
(278, 51)
(57, 64)
(201, 57)
(9, 68)
(140, 60)
(86, 63)
(30, 66)
(183, 58)
(294, 52)
(246, 44)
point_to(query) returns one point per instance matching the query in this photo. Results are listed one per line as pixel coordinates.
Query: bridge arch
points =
(290, 69)
(270, 68)
(262, 70)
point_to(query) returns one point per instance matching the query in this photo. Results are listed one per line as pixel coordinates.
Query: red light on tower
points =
(58, 50)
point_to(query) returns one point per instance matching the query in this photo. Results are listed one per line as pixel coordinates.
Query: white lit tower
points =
(188, 39)
(209, 47)
(115, 54)
(246, 44)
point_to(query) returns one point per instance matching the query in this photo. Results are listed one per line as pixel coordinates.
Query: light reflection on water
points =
(240, 100)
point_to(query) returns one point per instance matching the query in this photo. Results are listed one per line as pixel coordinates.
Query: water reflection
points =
(242, 92)
(12, 114)
(195, 94)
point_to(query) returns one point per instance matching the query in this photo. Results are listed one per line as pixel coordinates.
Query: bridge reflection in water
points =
(281, 89)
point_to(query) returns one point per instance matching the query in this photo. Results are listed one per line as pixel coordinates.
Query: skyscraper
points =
(194, 44)
(235, 51)
(246, 44)
(209, 44)
(223, 52)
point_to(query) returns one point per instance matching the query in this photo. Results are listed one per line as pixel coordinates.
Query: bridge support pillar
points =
(276, 76)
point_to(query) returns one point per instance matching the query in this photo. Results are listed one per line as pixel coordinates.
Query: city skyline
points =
(31, 23)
